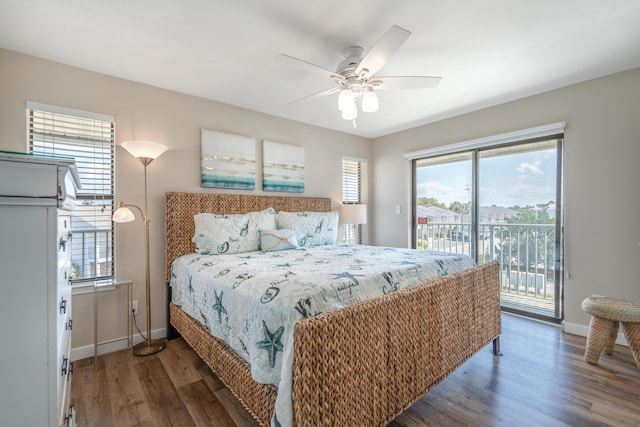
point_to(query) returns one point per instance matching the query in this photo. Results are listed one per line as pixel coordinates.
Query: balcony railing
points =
(526, 253)
(91, 254)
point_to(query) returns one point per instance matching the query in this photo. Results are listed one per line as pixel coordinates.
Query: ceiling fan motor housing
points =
(352, 57)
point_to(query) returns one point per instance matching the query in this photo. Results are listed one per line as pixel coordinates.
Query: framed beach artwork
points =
(228, 160)
(282, 167)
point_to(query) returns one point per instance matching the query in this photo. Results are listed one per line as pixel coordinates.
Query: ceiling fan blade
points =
(317, 95)
(382, 51)
(405, 82)
(308, 66)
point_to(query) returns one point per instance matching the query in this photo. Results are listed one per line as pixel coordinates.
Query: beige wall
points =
(145, 112)
(602, 147)
(602, 203)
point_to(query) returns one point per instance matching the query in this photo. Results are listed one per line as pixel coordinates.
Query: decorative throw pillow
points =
(231, 234)
(278, 240)
(260, 220)
(220, 234)
(312, 228)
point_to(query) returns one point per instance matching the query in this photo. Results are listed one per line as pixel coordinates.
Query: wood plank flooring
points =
(542, 380)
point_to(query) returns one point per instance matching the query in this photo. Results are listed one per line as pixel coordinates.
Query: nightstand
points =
(110, 284)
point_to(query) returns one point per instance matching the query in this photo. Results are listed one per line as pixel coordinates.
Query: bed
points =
(359, 365)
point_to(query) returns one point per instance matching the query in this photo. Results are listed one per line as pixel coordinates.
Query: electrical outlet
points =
(134, 306)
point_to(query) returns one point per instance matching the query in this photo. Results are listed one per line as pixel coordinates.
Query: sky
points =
(522, 179)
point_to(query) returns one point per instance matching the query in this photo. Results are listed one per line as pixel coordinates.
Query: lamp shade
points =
(123, 214)
(354, 214)
(144, 149)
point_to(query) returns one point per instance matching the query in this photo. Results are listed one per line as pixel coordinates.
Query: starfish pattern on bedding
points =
(271, 343)
(218, 305)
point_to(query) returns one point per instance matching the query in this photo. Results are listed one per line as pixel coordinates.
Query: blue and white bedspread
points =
(252, 300)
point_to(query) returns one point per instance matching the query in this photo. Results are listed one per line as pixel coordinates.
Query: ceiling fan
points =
(355, 75)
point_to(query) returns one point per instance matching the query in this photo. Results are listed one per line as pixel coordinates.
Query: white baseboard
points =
(583, 330)
(86, 351)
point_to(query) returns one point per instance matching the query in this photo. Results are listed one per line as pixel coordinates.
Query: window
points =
(355, 178)
(89, 138)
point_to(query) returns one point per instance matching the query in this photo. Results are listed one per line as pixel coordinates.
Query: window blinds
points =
(355, 189)
(543, 131)
(89, 139)
(355, 180)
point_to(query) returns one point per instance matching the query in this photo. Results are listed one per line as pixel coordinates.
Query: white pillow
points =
(260, 220)
(278, 240)
(219, 234)
(312, 228)
(231, 234)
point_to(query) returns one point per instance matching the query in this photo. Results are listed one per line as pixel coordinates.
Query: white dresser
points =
(36, 197)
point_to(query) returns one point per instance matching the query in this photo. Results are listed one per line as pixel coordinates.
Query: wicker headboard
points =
(181, 207)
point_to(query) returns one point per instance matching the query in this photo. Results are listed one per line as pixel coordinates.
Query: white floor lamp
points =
(146, 152)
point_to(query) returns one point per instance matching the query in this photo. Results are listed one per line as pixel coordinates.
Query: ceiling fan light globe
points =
(350, 113)
(345, 100)
(369, 101)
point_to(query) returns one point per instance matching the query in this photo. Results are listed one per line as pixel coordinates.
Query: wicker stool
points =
(606, 316)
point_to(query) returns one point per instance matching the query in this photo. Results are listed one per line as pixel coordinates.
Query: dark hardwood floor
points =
(542, 380)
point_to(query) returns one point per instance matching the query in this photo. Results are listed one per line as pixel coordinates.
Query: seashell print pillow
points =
(311, 228)
(231, 234)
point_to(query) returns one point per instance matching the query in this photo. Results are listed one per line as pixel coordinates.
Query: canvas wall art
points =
(283, 167)
(228, 160)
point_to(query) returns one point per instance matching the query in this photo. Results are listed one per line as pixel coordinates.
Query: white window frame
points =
(355, 190)
(90, 138)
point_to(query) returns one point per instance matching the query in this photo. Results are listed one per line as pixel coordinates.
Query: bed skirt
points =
(365, 364)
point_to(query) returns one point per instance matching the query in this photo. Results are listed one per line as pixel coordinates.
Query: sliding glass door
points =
(499, 203)
(443, 203)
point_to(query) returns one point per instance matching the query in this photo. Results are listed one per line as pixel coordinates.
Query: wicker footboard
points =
(235, 373)
(365, 364)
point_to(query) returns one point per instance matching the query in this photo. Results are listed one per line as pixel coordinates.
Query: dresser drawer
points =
(69, 419)
(64, 236)
(28, 181)
(64, 266)
(64, 369)
(62, 308)
(64, 273)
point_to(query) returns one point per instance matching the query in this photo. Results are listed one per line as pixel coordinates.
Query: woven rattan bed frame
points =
(359, 366)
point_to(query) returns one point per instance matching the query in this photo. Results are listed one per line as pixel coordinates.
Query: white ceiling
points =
(487, 52)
